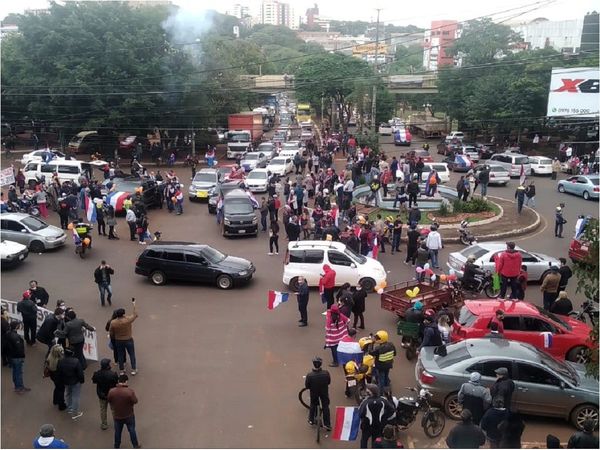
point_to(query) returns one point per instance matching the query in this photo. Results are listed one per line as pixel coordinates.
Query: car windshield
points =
(214, 256)
(205, 177)
(251, 156)
(560, 367)
(355, 256)
(265, 147)
(594, 180)
(544, 161)
(454, 355)
(521, 160)
(553, 318)
(278, 161)
(238, 206)
(257, 176)
(466, 318)
(439, 167)
(233, 137)
(34, 224)
(474, 250)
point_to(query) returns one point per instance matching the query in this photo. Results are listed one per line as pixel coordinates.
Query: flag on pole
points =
(276, 298)
(375, 250)
(90, 209)
(347, 422)
(522, 175)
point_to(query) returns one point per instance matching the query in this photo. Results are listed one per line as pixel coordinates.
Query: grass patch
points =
(389, 212)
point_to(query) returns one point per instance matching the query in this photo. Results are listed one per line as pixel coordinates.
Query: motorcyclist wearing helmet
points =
(472, 274)
(318, 381)
(431, 333)
(81, 230)
(384, 354)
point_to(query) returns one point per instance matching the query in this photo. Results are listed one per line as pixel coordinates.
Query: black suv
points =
(219, 191)
(238, 214)
(162, 261)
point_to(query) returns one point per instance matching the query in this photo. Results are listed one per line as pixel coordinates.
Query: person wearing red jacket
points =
(508, 266)
(327, 285)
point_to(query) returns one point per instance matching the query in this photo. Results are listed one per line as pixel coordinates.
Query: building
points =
(437, 42)
(589, 34)
(273, 12)
(312, 14)
(561, 35)
(368, 51)
(240, 11)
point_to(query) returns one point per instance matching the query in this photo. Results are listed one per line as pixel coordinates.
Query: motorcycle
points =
(83, 241)
(356, 379)
(589, 309)
(29, 206)
(433, 420)
(465, 236)
(483, 284)
(410, 338)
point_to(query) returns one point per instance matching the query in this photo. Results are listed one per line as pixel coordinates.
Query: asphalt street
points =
(217, 368)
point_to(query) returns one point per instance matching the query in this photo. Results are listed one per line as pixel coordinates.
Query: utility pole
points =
(374, 97)
(193, 141)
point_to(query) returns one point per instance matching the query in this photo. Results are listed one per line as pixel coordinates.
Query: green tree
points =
(407, 60)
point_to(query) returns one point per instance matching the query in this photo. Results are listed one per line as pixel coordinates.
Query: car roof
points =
(494, 246)
(302, 245)
(256, 152)
(205, 170)
(259, 169)
(493, 347)
(14, 215)
(237, 193)
(177, 244)
(489, 307)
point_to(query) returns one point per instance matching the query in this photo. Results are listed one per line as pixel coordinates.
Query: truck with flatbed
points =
(245, 132)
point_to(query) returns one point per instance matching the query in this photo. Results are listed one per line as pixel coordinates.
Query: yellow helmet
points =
(362, 220)
(350, 368)
(364, 341)
(389, 218)
(381, 336)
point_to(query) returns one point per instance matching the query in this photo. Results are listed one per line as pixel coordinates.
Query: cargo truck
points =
(245, 131)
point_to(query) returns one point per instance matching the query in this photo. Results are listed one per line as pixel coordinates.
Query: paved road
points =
(217, 369)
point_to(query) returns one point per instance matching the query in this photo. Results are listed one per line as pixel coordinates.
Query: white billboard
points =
(574, 92)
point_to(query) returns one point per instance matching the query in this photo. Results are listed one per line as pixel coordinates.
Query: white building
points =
(561, 35)
(240, 11)
(273, 12)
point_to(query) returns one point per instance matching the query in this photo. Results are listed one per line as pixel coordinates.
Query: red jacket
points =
(509, 263)
(327, 281)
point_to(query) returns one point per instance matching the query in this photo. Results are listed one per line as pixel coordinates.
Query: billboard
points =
(573, 92)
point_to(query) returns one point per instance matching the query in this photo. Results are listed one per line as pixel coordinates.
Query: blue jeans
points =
(530, 201)
(433, 254)
(72, 397)
(383, 378)
(179, 207)
(105, 288)
(122, 347)
(17, 372)
(130, 424)
(396, 242)
(483, 189)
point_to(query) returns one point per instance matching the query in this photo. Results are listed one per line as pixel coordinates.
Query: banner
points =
(573, 92)
(7, 176)
(90, 347)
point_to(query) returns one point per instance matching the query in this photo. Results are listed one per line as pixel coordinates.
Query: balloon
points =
(452, 272)
(86, 241)
(433, 277)
(412, 293)
(452, 277)
(380, 291)
(443, 277)
(426, 266)
(416, 290)
(419, 269)
(380, 287)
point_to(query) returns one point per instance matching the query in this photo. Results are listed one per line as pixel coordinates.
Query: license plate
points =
(351, 383)
(241, 231)
(202, 194)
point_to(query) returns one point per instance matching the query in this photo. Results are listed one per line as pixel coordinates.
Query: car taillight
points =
(492, 175)
(426, 378)
(597, 189)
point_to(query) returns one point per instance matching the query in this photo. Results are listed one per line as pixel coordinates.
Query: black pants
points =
(132, 228)
(367, 433)
(558, 229)
(328, 294)
(78, 351)
(111, 231)
(58, 395)
(64, 220)
(554, 175)
(412, 198)
(314, 398)
(29, 329)
(302, 307)
(273, 215)
(274, 241)
(411, 254)
(514, 286)
(357, 316)
(549, 298)
(465, 195)
(101, 227)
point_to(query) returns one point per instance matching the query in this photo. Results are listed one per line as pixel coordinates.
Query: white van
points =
(512, 163)
(306, 258)
(66, 169)
(440, 168)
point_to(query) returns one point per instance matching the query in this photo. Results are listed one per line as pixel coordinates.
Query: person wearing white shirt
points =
(131, 219)
(434, 244)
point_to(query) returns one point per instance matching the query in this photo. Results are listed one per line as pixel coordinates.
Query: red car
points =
(578, 250)
(560, 336)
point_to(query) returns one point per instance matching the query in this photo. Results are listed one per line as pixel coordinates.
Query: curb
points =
(455, 226)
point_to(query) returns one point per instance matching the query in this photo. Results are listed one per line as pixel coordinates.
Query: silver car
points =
(498, 174)
(254, 160)
(544, 386)
(32, 232)
(203, 182)
(538, 264)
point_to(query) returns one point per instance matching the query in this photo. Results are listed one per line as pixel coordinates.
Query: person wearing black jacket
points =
(45, 334)
(414, 216)
(412, 244)
(274, 237)
(359, 297)
(5, 330)
(565, 274)
(105, 379)
(70, 373)
(465, 434)
(353, 242)
(412, 190)
(491, 419)
(102, 278)
(562, 305)
(431, 334)
(38, 294)
(74, 333)
(375, 412)
(503, 387)
(15, 346)
(585, 438)
(317, 382)
(511, 430)
(29, 312)
(302, 295)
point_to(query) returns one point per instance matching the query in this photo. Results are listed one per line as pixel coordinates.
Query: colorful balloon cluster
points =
(412, 293)
(380, 287)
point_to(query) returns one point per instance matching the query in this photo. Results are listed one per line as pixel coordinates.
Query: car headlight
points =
(50, 238)
(243, 273)
(255, 220)
(227, 222)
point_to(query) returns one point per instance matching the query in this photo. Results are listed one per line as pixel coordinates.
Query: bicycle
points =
(318, 413)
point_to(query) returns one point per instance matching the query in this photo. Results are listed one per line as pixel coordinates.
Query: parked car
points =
(440, 168)
(540, 165)
(471, 151)
(498, 174)
(66, 169)
(32, 232)
(219, 191)
(93, 142)
(544, 386)
(538, 264)
(125, 187)
(458, 163)
(238, 214)
(578, 250)
(202, 183)
(525, 322)
(385, 129)
(306, 258)
(280, 165)
(401, 135)
(12, 253)
(279, 136)
(187, 261)
(455, 135)
(512, 162)
(37, 155)
(258, 180)
(585, 186)
(130, 143)
(253, 160)
(269, 149)
(420, 153)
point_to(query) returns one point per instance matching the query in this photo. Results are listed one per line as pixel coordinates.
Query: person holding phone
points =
(120, 331)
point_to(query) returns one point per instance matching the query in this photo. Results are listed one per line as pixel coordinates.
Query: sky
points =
(393, 11)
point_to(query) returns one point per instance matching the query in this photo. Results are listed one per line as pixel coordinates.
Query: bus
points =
(304, 113)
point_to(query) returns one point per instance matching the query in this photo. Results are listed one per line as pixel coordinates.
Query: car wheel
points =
(158, 278)
(36, 247)
(583, 413)
(578, 355)
(294, 284)
(586, 195)
(561, 189)
(452, 407)
(368, 284)
(224, 281)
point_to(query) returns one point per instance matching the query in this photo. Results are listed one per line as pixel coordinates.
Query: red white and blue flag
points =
(90, 209)
(546, 339)
(375, 250)
(347, 423)
(276, 298)
(349, 351)
(116, 199)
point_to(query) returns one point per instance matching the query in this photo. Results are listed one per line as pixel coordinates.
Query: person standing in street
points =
(384, 354)
(396, 234)
(131, 220)
(359, 297)
(105, 379)
(584, 438)
(274, 238)
(530, 195)
(466, 434)
(70, 374)
(327, 285)
(264, 214)
(520, 197)
(550, 287)
(336, 328)
(491, 419)
(74, 333)
(508, 266)
(100, 218)
(559, 222)
(475, 397)
(503, 387)
(15, 346)
(412, 244)
(120, 330)
(434, 244)
(484, 180)
(102, 278)
(122, 400)
(28, 311)
(511, 429)
(302, 295)
(38, 294)
(317, 381)
(555, 168)
(46, 439)
(565, 274)
(45, 334)
(57, 352)
(374, 412)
